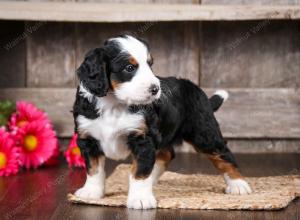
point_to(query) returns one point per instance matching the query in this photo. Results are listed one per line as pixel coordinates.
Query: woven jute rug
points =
(199, 191)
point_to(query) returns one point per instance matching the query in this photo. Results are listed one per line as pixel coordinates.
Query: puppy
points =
(123, 109)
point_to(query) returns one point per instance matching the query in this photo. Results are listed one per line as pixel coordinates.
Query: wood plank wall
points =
(260, 58)
(12, 61)
(250, 2)
(255, 54)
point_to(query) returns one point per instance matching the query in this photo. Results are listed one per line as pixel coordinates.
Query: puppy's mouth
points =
(145, 101)
(140, 102)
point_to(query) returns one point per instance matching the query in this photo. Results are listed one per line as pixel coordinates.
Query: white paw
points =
(90, 192)
(238, 186)
(141, 202)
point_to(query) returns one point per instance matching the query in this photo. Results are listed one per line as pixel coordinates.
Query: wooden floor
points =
(41, 194)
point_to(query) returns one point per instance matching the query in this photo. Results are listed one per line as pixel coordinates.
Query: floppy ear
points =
(93, 74)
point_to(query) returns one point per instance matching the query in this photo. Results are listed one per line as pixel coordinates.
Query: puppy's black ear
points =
(93, 74)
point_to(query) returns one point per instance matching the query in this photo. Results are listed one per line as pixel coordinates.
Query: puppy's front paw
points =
(237, 186)
(141, 202)
(90, 192)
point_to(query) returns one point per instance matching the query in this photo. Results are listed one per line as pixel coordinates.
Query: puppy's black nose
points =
(153, 89)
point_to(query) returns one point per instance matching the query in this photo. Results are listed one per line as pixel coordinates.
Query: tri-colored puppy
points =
(123, 109)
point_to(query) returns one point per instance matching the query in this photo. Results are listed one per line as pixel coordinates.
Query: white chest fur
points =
(111, 128)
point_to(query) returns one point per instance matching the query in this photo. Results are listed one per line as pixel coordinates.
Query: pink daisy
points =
(37, 144)
(8, 154)
(73, 154)
(25, 113)
(54, 159)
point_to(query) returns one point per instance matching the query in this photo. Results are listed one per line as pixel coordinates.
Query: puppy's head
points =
(122, 65)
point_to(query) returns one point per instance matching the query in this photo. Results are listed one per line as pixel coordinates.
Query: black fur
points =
(183, 112)
(216, 101)
(84, 107)
(90, 149)
(117, 71)
(93, 74)
(143, 150)
(144, 146)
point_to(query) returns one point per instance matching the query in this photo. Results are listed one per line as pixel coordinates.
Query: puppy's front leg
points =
(140, 195)
(95, 178)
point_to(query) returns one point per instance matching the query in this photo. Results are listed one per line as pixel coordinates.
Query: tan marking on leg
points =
(164, 156)
(224, 166)
(94, 163)
(133, 167)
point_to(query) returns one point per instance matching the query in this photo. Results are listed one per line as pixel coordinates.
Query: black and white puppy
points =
(123, 109)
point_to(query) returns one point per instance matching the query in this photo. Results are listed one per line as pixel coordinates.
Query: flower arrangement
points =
(27, 139)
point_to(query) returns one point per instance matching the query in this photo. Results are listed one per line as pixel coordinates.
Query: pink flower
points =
(37, 143)
(9, 154)
(73, 154)
(25, 113)
(54, 159)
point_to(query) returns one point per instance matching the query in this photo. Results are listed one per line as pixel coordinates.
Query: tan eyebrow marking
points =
(132, 61)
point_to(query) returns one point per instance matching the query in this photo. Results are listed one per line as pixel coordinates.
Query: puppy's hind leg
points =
(225, 163)
(202, 130)
(95, 178)
(222, 158)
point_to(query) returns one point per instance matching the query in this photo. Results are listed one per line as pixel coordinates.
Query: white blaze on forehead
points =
(134, 47)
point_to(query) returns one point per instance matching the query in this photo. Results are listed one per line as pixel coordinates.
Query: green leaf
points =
(6, 109)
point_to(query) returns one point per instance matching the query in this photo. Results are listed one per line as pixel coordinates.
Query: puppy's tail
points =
(217, 99)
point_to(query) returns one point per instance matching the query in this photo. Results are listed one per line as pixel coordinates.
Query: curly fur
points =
(179, 111)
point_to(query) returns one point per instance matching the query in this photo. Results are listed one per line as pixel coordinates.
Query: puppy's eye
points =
(130, 68)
